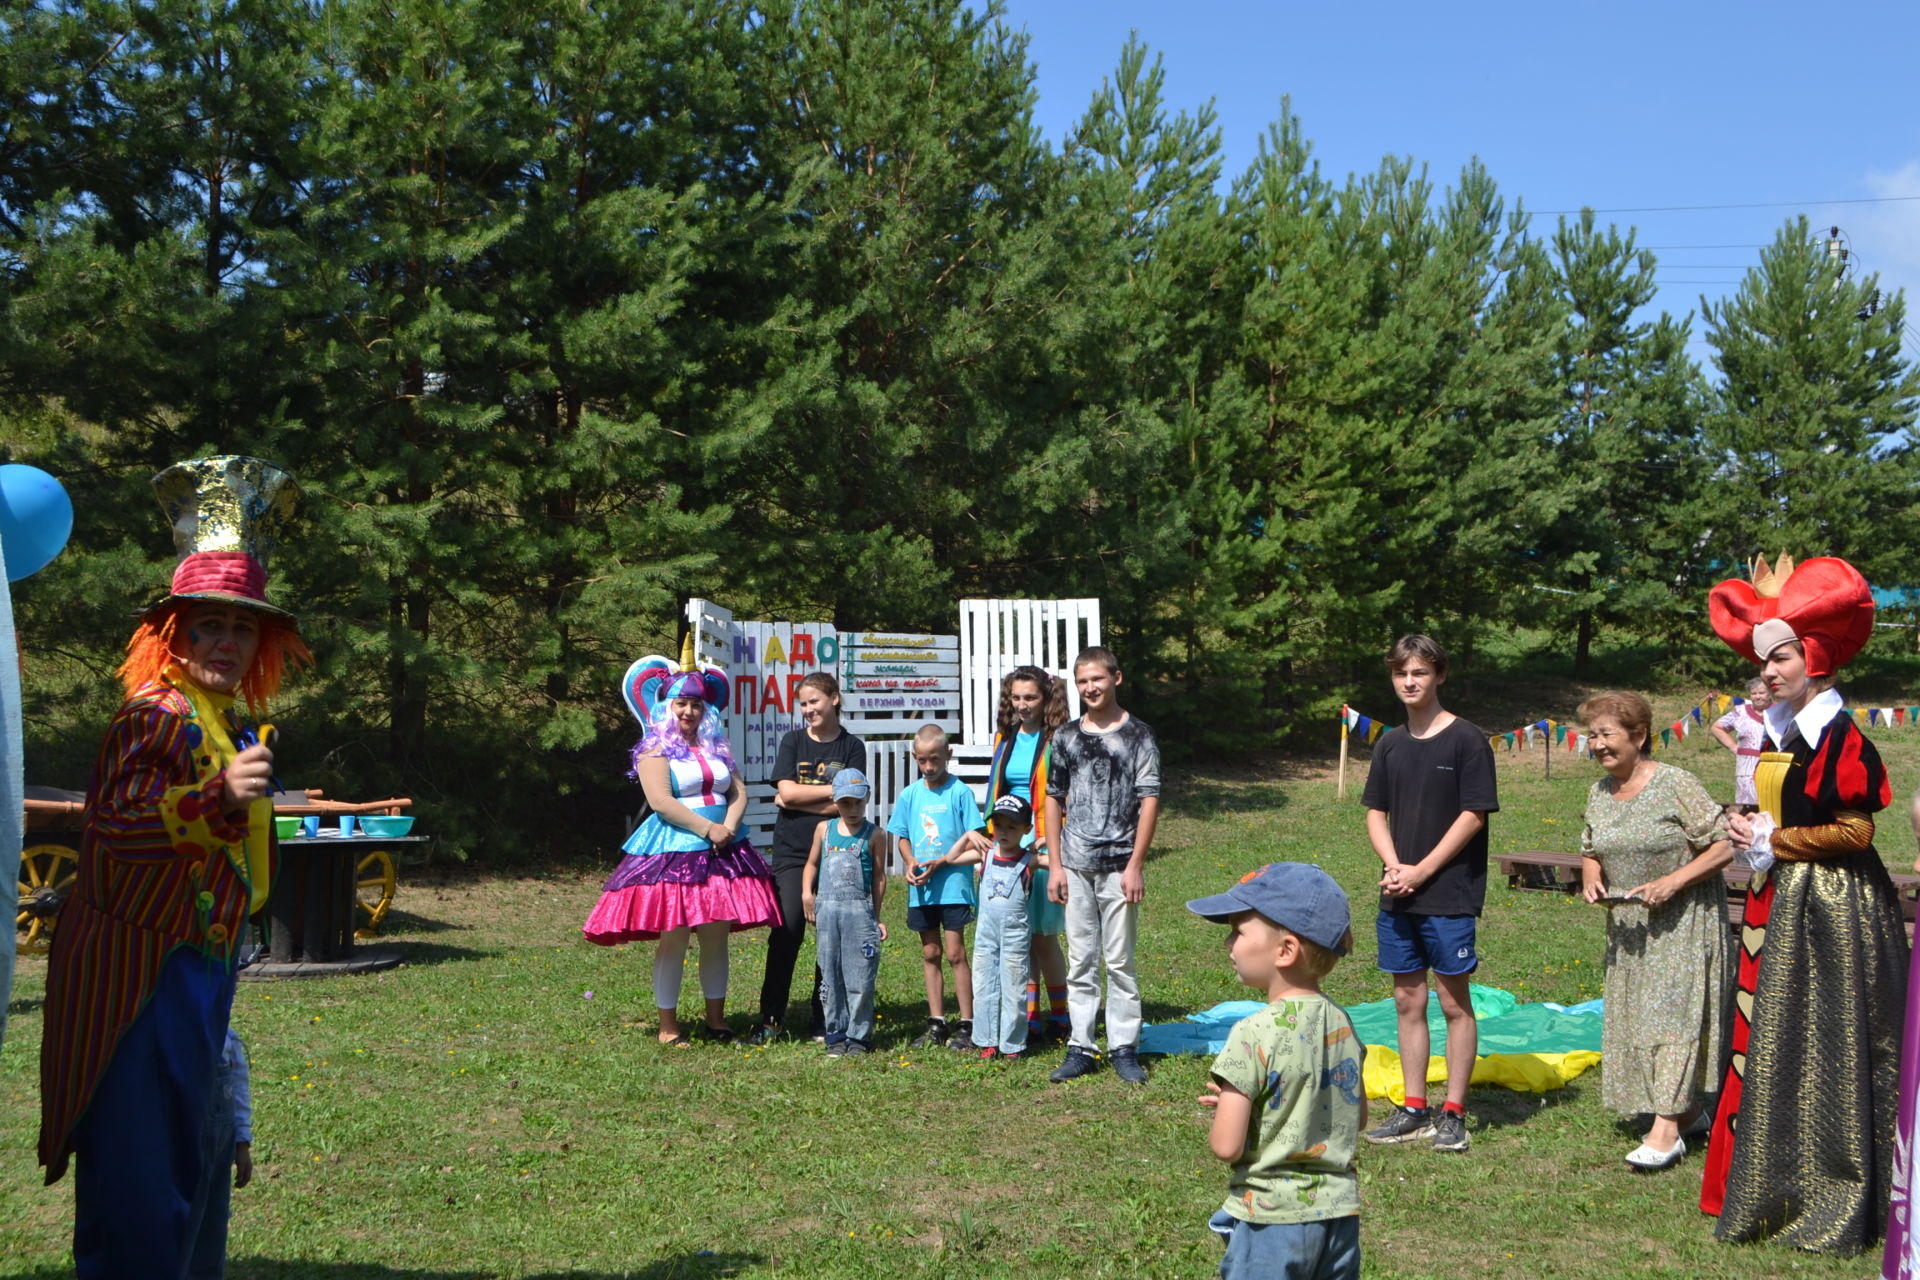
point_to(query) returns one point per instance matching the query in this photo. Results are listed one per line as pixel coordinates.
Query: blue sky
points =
(1623, 105)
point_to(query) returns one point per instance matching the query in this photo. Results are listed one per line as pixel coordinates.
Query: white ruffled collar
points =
(1819, 711)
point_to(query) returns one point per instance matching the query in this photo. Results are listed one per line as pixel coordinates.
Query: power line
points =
(1764, 204)
(1700, 246)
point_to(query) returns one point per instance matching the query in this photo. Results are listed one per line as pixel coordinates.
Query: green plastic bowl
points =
(286, 828)
(383, 826)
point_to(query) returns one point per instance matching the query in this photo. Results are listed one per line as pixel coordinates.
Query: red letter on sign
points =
(793, 689)
(772, 696)
(803, 650)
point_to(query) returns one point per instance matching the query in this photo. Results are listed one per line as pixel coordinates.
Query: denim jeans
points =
(1325, 1250)
(848, 940)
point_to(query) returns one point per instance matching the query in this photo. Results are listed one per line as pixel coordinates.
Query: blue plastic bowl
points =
(383, 826)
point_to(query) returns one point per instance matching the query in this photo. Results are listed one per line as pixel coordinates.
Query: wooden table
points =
(311, 908)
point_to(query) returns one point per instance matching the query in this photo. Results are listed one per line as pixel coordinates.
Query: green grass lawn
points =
(476, 1113)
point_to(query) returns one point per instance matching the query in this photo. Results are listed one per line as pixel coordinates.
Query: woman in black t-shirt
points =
(803, 788)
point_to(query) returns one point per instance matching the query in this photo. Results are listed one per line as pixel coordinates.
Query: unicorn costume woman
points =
(673, 875)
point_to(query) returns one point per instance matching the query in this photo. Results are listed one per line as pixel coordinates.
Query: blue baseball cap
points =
(1295, 896)
(850, 783)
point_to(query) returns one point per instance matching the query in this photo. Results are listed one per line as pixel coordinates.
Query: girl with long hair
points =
(1033, 704)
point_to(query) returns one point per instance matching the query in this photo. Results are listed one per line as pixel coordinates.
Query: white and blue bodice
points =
(699, 782)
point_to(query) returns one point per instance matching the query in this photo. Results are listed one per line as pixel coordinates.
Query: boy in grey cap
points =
(1286, 1092)
(841, 889)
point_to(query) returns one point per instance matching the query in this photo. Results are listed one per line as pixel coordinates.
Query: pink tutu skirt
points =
(651, 894)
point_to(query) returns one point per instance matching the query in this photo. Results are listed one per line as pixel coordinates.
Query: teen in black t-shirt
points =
(1428, 795)
(803, 770)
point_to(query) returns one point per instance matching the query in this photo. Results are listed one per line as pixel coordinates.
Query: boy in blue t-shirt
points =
(932, 819)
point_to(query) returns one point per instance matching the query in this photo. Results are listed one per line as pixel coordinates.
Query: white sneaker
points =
(1648, 1160)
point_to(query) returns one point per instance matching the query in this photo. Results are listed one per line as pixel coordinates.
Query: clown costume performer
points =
(177, 851)
(1803, 1140)
(687, 869)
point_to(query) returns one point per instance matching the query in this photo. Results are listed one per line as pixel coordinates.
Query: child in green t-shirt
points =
(1286, 1094)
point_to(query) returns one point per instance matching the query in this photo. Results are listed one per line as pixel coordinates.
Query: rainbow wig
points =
(150, 653)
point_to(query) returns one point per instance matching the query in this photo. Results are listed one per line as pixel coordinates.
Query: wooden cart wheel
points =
(373, 889)
(47, 876)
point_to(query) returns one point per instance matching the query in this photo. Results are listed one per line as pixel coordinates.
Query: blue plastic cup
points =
(310, 825)
(346, 824)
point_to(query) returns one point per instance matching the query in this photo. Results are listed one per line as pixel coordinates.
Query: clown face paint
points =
(216, 643)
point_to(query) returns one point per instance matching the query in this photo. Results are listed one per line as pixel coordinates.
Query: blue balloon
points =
(36, 516)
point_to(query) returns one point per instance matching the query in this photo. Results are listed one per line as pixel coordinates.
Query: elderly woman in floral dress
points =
(1653, 849)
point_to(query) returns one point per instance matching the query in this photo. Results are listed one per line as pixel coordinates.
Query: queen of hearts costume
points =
(671, 878)
(1803, 1140)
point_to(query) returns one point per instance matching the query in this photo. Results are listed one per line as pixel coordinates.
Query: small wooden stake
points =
(1343, 754)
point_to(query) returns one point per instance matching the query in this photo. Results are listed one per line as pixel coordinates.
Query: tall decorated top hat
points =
(228, 514)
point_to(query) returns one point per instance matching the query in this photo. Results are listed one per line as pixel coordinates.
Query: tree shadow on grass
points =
(691, 1266)
(1507, 1108)
(406, 922)
(1215, 797)
(424, 953)
(30, 1004)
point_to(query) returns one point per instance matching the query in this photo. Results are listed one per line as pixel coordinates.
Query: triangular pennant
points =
(1666, 736)
(1899, 715)
(1696, 715)
(1559, 734)
(1726, 703)
(1873, 715)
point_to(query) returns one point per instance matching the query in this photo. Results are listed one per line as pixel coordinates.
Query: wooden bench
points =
(1540, 869)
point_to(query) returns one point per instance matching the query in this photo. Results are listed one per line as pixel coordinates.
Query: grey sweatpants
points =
(847, 938)
(1101, 925)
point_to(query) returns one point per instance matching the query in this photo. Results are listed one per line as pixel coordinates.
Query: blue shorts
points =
(951, 916)
(1325, 1250)
(1413, 944)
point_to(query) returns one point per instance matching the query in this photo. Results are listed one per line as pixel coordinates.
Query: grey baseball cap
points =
(1294, 895)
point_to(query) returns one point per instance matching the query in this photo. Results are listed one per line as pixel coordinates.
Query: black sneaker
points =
(1450, 1132)
(1080, 1062)
(935, 1034)
(835, 1048)
(854, 1049)
(1126, 1065)
(962, 1038)
(1405, 1125)
(765, 1034)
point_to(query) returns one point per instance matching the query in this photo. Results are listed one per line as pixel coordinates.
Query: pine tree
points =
(1629, 441)
(892, 374)
(1814, 418)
